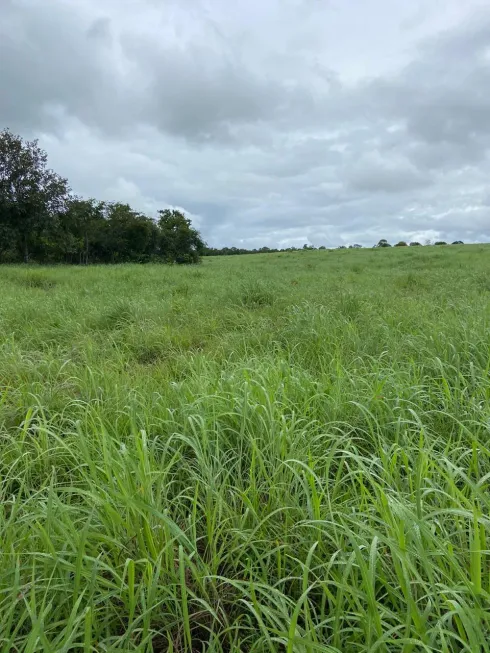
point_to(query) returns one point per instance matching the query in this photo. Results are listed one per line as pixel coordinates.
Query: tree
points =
(383, 243)
(401, 243)
(440, 242)
(457, 242)
(415, 244)
(80, 225)
(126, 235)
(31, 195)
(179, 241)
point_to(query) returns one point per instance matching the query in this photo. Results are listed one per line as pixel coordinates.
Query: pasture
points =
(280, 452)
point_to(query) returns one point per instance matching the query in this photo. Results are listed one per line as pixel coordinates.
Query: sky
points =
(270, 122)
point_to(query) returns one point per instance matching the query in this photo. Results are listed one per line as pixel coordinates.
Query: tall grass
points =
(264, 454)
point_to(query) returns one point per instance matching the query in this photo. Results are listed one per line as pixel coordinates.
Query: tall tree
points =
(31, 195)
(179, 241)
(79, 227)
(131, 236)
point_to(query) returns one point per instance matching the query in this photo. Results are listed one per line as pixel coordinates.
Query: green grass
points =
(263, 453)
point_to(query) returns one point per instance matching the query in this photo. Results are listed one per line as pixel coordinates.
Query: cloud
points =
(272, 123)
(374, 172)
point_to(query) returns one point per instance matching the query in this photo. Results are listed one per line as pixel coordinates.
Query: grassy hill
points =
(283, 452)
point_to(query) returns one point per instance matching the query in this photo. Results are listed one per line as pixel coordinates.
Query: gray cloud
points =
(272, 123)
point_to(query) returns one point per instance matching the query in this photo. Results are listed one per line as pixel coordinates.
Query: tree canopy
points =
(31, 195)
(41, 220)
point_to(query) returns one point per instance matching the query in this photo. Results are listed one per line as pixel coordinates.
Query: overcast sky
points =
(271, 122)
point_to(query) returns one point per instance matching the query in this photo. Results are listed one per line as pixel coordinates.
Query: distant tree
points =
(383, 243)
(440, 242)
(322, 247)
(126, 235)
(457, 242)
(415, 244)
(80, 225)
(341, 247)
(401, 243)
(355, 246)
(179, 241)
(31, 195)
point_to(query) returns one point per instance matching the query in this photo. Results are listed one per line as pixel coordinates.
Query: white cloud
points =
(272, 123)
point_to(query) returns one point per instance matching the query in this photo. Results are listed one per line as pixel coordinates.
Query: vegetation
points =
(40, 221)
(271, 453)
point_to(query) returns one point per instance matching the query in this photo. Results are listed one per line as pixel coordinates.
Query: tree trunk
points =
(86, 248)
(26, 250)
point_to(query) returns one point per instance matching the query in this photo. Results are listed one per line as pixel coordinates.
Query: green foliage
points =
(383, 243)
(259, 454)
(415, 244)
(39, 221)
(440, 242)
(179, 242)
(30, 195)
(401, 243)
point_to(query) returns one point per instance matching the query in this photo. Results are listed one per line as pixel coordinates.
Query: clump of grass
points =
(255, 294)
(182, 290)
(350, 305)
(119, 314)
(412, 281)
(36, 279)
(310, 477)
(483, 282)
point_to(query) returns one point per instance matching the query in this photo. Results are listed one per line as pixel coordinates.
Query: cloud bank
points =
(278, 123)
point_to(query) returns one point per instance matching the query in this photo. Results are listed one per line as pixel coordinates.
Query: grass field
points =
(263, 453)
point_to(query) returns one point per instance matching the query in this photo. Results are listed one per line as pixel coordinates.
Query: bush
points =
(440, 242)
(402, 243)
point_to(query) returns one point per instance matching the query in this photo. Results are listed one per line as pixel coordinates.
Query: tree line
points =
(41, 220)
(231, 251)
